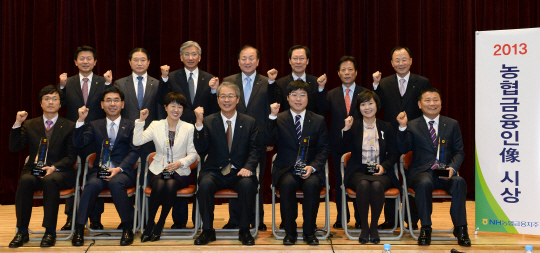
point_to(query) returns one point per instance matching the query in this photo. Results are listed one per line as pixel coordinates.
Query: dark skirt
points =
(359, 176)
(184, 180)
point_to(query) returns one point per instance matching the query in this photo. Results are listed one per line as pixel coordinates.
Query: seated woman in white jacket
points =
(175, 152)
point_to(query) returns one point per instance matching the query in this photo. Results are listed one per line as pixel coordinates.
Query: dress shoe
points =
(119, 226)
(145, 238)
(262, 227)
(230, 226)
(463, 236)
(311, 240)
(78, 238)
(127, 237)
(375, 240)
(96, 225)
(68, 224)
(48, 240)
(207, 235)
(245, 237)
(338, 224)
(290, 239)
(19, 240)
(425, 236)
(386, 225)
(178, 226)
(155, 238)
(363, 240)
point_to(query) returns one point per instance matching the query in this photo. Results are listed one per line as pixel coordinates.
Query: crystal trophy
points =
(166, 174)
(105, 159)
(40, 159)
(372, 165)
(439, 167)
(301, 159)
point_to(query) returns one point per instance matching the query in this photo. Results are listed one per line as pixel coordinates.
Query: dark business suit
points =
(335, 103)
(416, 138)
(124, 155)
(282, 84)
(178, 81)
(61, 154)
(282, 132)
(258, 107)
(245, 151)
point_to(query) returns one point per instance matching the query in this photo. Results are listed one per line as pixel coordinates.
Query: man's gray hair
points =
(190, 43)
(230, 85)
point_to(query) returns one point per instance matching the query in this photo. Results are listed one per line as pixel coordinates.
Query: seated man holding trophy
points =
(437, 148)
(111, 139)
(302, 143)
(49, 167)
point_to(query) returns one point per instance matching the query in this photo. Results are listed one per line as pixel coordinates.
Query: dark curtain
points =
(38, 39)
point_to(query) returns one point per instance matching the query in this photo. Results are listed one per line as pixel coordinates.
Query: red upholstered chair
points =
(392, 193)
(132, 191)
(64, 194)
(321, 234)
(184, 193)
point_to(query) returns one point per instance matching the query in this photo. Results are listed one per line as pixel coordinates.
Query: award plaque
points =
(165, 174)
(439, 167)
(40, 159)
(301, 159)
(105, 160)
(372, 165)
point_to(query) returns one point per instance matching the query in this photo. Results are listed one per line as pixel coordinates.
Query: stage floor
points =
(265, 241)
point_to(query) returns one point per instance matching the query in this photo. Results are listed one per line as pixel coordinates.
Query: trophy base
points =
(372, 169)
(441, 173)
(38, 172)
(102, 174)
(167, 175)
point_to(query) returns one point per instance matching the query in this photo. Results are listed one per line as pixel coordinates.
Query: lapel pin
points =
(309, 120)
(151, 84)
(123, 128)
(96, 82)
(203, 79)
(60, 126)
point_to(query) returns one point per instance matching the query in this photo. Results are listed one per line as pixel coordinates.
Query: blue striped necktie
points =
(298, 127)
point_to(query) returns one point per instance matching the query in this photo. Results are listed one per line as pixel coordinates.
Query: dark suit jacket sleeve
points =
(404, 140)
(132, 155)
(271, 132)
(163, 89)
(273, 92)
(83, 135)
(322, 148)
(18, 138)
(380, 93)
(457, 148)
(200, 138)
(67, 162)
(392, 152)
(343, 141)
(254, 149)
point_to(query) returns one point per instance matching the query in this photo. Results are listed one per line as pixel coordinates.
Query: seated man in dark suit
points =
(288, 130)
(60, 157)
(119, 131)
(425, 136)
(230, 139)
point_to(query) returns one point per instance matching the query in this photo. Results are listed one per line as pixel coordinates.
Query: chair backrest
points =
(407, 159)
(346, 158)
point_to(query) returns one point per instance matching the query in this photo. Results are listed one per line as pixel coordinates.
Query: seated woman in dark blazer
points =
(369, 140)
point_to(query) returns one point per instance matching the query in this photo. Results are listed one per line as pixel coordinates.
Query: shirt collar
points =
(406, 77)
(53, 119)
(89, 77)
(351, 87)
(116, 122)
(252, 77)
(195, 72)
(233, 119)
(143, 76)
(436, 119)
(303, 77)
(302, 114)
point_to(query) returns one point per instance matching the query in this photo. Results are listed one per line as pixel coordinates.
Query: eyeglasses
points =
(192, 55)
(295, 95)
(50, 99)
(231, 97)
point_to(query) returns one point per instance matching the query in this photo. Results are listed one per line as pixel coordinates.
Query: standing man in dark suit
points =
(340, 102)
(434, 138)
(398, 93)
(257, 92)
(289, 129)
(230, 140)
(124, 155)
(59, 160)
(199, 88)
(299, 59)
(84, 89)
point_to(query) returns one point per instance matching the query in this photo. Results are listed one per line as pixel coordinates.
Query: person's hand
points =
(308, 170)
(450, 172)
(83, 113)
(272, 74)
(269, 148)
(376, 78)
(244, 173)
(165, 71)
(114, 172)
(20, 118)
(63, 80)
(172, 167)
(108, 76)
(143, 115)
(49, 169)
(381, 170)
(402, 119)
(348, 123)
(199, 114)
(322, 81)
(274, 109)
(214, 83)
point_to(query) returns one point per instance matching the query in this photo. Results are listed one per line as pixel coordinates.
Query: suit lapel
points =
(121, 130)
(256, 86)
(103, 128)
(308, 123)
(382, 141)
(238, 82)
(353, 99)
(292, 129)
(218, 125)
(394, 89)
(341, 99)
(182, 80)
(149, 87)
(130, 90)
(77, 83)
(409, 91)
(238, 130)
(200, 85)
(442, 128)
(422, 124)
(93, 87)
(57, 129)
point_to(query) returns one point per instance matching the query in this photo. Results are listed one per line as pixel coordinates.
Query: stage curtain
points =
(38, 39)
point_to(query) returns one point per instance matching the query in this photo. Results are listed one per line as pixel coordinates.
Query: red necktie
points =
(347, 100)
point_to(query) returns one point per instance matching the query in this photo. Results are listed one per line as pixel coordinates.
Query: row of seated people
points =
(230, 141)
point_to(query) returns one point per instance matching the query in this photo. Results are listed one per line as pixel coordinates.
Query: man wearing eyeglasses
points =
(399, 92)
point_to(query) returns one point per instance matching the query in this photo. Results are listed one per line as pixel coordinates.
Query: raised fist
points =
(165, 71)
(108, 76)
(322, 81)
(143, 115)
(348, 123)
(83, 113)
(272, 74)
(274, 109)
(376, 78)
(213, 83)
(21, 117)
(402, 119)
(199, 114)
(63, 80)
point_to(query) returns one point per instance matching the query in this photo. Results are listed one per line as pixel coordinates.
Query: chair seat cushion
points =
(226, 193)
(107, 192)
(436, 193)
(388, 193)
(184, 191)
(62, 192)
(300, 193)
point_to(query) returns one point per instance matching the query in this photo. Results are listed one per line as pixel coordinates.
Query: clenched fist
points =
(322, 81)
(272, 74)
(213, 83)
(108, 76)
(143, 115)
(348, 123)
(63, 80)
(83, 113)
(21, 117)
(402, 119)
(165, 71)
(274, 109)
(199, 114)
(376, 78)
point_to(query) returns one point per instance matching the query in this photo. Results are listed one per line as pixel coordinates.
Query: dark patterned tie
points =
(227, 169)
(85, 89)
(298, 127)
(433, 133)
(140, 91)
(191, 85)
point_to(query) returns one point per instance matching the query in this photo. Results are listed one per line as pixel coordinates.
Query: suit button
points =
(220, 167)
(229, 159)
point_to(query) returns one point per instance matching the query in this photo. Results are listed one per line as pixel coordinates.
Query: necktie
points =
(85, 89)
(112, 134)
(433, 133)
(49, 124)
(298, 127)
(247, 90)
(227, 169)
(299, 79)
(347, 100)
(191, 85)
(402, 86)
(140, 91)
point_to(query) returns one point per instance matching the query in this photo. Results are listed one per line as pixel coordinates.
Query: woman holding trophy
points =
(374, 152)
(175, 152)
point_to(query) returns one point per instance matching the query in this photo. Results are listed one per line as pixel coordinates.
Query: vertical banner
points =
(507, 131)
